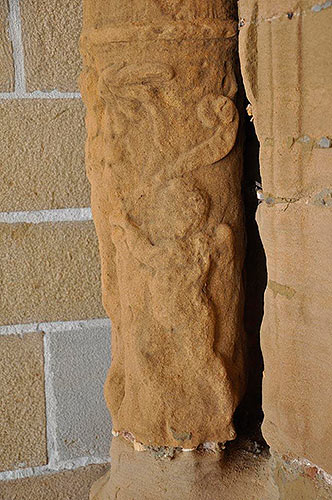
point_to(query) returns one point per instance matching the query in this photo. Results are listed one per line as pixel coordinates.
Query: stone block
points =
(69, 485)
(306, 92)
(317, 70)
(50, 272)
(6, 55)
(22, 402)
(42, 155)
(296, 331)
(51, 30)
(79, 422)
(280, 95)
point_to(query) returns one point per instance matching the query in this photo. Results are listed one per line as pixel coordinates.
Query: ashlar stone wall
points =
(54, 338)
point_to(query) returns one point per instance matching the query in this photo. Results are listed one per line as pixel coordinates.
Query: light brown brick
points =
(42, 155)
(51, 30)
(50, 272)
(6, 56)
(22, 402)
(69, 485)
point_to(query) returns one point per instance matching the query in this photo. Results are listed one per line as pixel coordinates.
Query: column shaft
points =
(164, 160)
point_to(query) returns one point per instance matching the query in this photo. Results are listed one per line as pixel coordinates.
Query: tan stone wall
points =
(50, 272)
(287, 68)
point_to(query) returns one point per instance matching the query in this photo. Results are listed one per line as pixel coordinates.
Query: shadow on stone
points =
(249, 415)
(239, 472)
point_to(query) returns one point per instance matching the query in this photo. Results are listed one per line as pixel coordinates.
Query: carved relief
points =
(169, 204)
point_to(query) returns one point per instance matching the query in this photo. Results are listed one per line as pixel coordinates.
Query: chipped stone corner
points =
(299, 478)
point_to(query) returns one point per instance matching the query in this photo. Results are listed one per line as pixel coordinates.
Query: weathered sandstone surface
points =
(164, 160)
(287, 68)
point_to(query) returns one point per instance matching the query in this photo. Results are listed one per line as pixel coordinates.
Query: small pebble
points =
(260, 195)
(305, 139)
(325, 142)
(319, 7)
(139, 446)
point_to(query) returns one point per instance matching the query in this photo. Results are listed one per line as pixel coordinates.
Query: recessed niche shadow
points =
(249, 415)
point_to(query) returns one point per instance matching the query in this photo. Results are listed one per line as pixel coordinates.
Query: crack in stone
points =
(322, 199)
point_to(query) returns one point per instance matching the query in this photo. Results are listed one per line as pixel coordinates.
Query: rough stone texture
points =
(6, 56)
(51, 30)
(42, 155)
(22, 402)
(78, 363)
(287, 71)
(69, 485)
(239, 473)
(49, 272)
(100, 13)
(165, 167)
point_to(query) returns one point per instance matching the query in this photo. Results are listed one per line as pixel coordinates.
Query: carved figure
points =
(165, 181)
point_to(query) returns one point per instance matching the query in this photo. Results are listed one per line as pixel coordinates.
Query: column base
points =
(230, 475)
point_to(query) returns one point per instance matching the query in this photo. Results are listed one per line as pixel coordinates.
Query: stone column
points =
(287, 69)
(164, 161)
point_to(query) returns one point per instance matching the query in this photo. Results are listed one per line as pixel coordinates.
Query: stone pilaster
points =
(284, 50)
